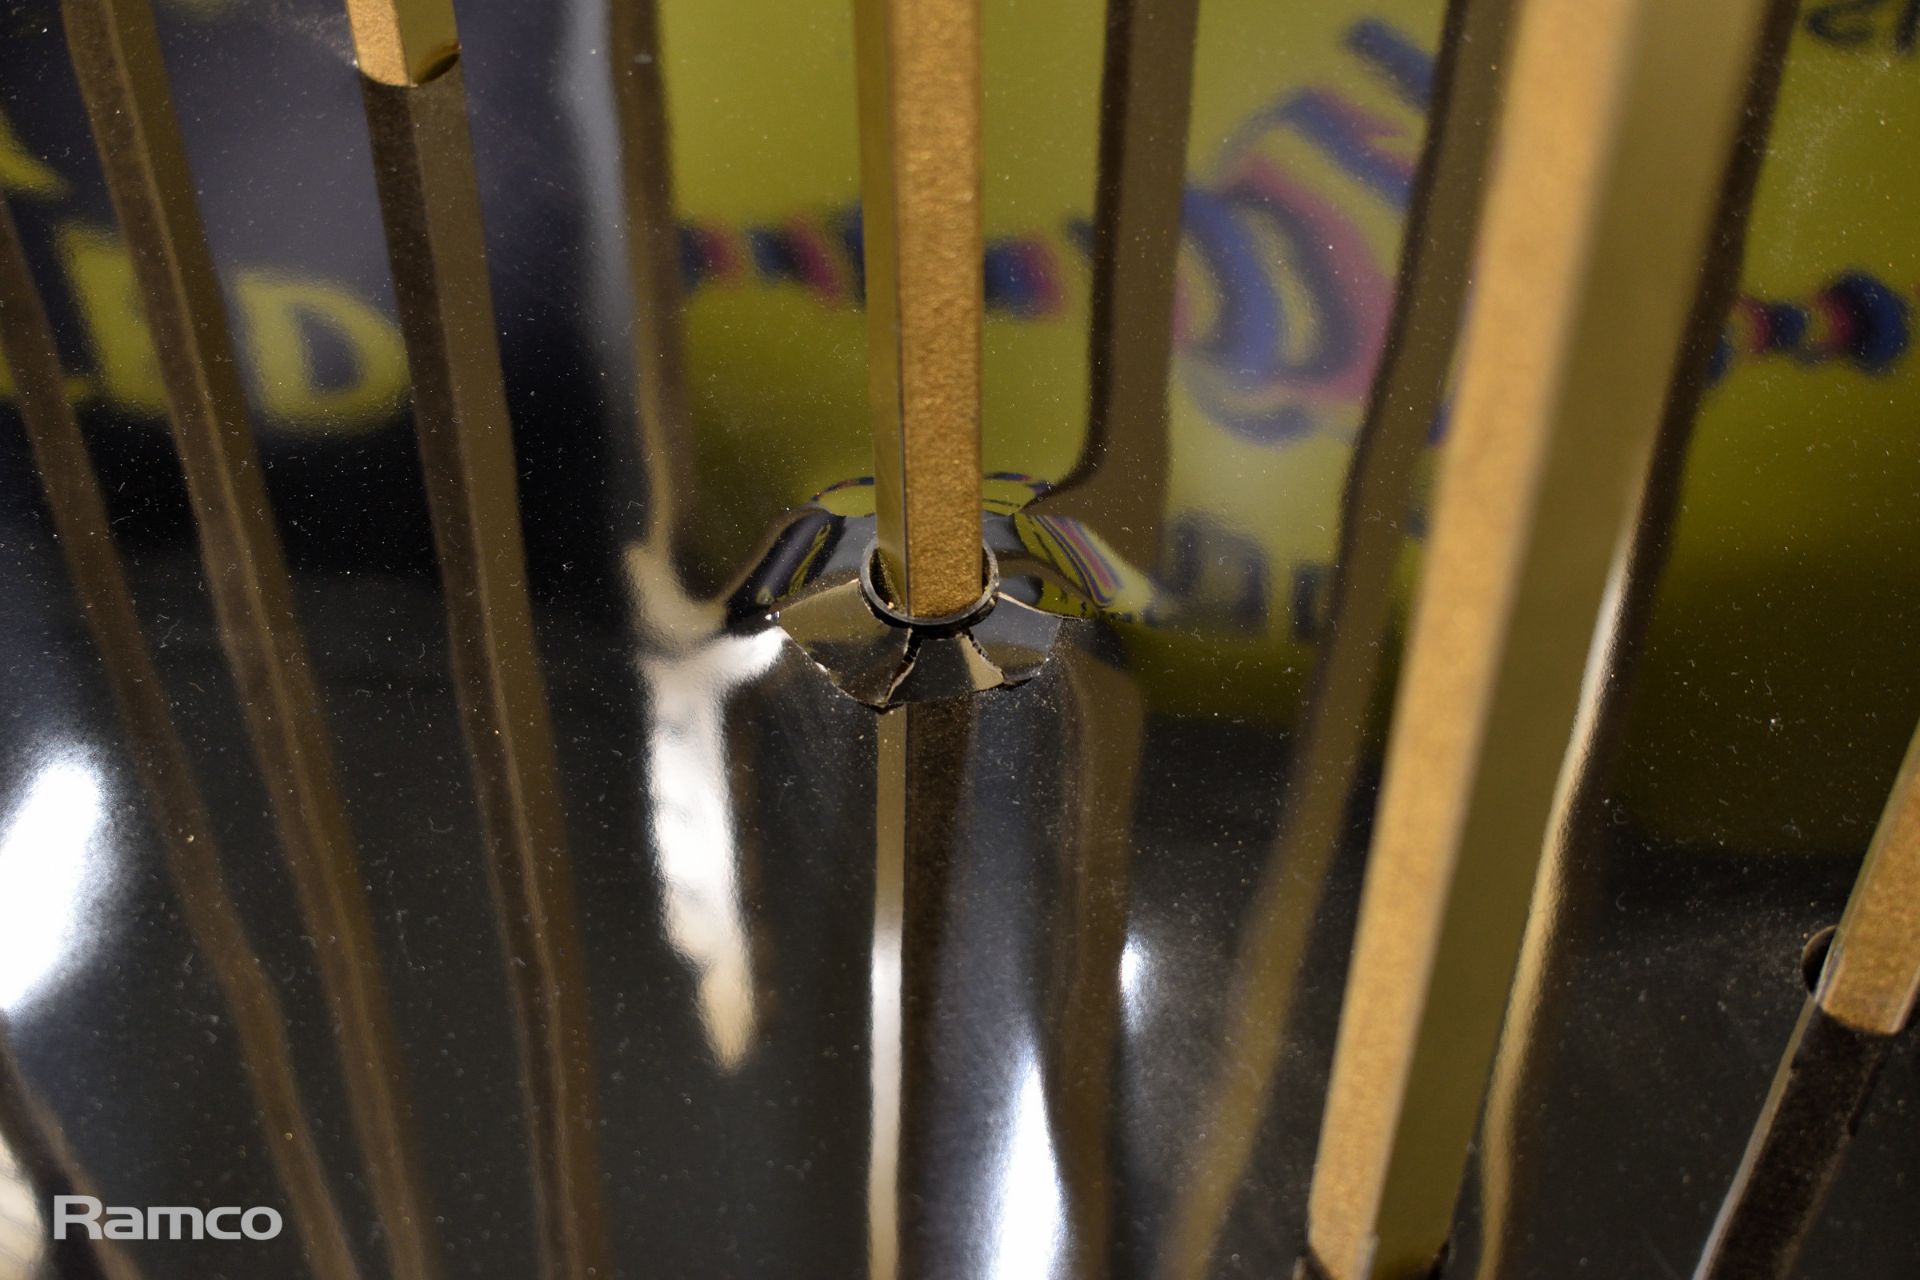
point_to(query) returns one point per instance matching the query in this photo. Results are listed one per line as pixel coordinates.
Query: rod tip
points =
(403, 42)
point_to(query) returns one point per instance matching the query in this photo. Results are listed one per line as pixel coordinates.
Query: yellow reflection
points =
(282, 312)
(285, 320)
(21, 171)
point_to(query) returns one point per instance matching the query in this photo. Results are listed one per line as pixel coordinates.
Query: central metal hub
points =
(884, 658)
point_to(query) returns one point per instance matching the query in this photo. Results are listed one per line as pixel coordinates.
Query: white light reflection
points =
(48, 878)
(1027, 1219)
(883, 1158)
(693, 826)
(1133, 971)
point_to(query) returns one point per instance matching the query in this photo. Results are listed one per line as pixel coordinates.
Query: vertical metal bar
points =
(116, 55)
(86, 543)
(1872, 974)
(1408, 389)
(922, 780)
(1579, 821)
(402, 42)
(1617, 125)
(430, 204)
(920, 181)
(1119, 484)
(1794, 1155)
(918, 66)
(1864, 1000)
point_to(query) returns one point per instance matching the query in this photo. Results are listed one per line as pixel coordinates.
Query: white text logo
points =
(162, 1222)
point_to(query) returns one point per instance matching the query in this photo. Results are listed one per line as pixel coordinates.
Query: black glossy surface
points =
(721, 793)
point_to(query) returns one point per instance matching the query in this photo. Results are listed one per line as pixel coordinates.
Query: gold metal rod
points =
(86, 543)
(430, 204)
(1846, 1033)
(1118, 487)
(1408, 389)
(116, 57)
(403, 42)
(1618, 121)
(920, 175)
(1599, 738)
(1873, 969)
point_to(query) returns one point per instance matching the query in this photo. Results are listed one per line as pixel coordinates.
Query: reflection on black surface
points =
(54, 879)
(1339, 730)
(36, 1166)
(695, 830)
(21, 1231)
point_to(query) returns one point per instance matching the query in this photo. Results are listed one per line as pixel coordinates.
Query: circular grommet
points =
(945, 624)
(1813, 958)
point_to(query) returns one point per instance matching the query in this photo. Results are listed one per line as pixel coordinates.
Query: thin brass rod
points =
(1118, 487)
(86, 543)
(116, 56)
(1872, 973)
(1580, 827)
(403, 42)
(1846, 1032)
(1617, 125)
(430, 204)
(920, 175)
(1408, 389)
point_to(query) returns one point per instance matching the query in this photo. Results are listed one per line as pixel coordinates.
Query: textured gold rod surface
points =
(403, 42)
(116, 57)
(920, 174)
(430, 204)
(1617, 126)
(1580, 822)
(1408, 388)
(86, 543)
(1119, 485)
(1873, 970)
